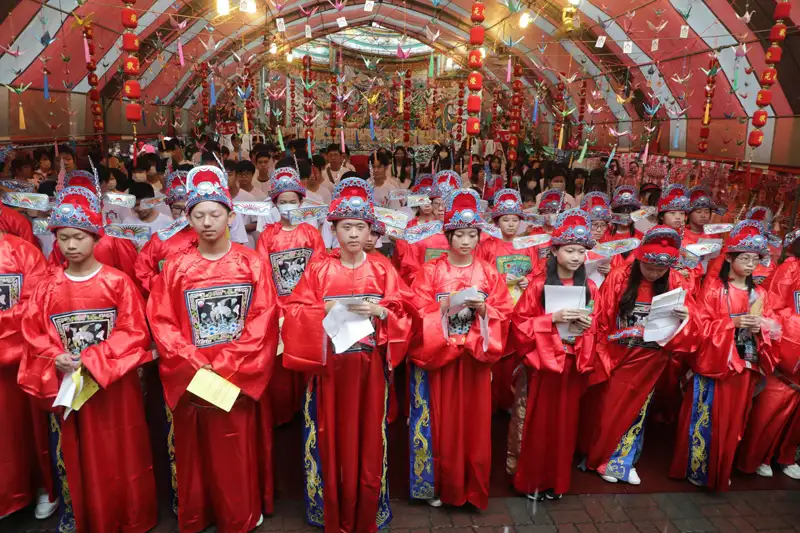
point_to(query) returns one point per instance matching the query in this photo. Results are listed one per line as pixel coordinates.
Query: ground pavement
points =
(735, 512)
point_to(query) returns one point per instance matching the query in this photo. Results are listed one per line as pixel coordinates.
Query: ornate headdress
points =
(762, 214)
(596, 204)
(626, 196)
(175, 186)
(748, 236)
(675, 197)
(82, 178)
(378, 227)
(461, 209)
(16, 186)
(207, 183)
(700, 198)
(285, 179)
(573, 227)
(661, 245)
(444, 182)
(507, 202)
(790, 238)
(79, 208)
(423, 184)
(352, 199)
(551, 202)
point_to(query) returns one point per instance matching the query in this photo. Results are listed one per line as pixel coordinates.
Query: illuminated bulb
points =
(289, 57)
(247, 6)
(575, 3)
(448, 63)
(483, 52)
(223, 7)
(273, 48)
(524, 20)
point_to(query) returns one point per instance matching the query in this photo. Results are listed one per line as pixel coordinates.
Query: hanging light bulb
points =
(448, 63)
(247, 6)
(223, 7)
(483, 52)
(289, 57)
(524, 20)
(273, 48)
(575, 3)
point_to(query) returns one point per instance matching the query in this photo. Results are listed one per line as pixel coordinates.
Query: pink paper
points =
(508, 71)
(86, 50)
(180, 52)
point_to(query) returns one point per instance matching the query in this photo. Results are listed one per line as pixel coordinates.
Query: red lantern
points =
(98, 124)
(477, 14)
(475, 59)
(516, 113)
(756, 137)
(406, 115)
(702, 146)
(205, 101)
(406, 137)
(473, 103)
(132, 89)
(512, 154)
(133, 112)
(475, 81)
(760, 118)
(92, 78)
(90, 45)
(516, 100)
(518, 69)
(91, 66)
(94, 95)
(778, 33)
(513, 141)
(773, 55)
(705, 133)
(459, 121)
(782, 10)
(130, 42)
(476, 35)
(473, 126)
(97, 109)
(88, 32)
(764, 98)
(131, 66)
(514, 127)
(769, 77)
(129, 18)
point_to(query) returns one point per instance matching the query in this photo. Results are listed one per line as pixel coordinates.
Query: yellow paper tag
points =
(757, 308)
(214, 389)
(89, 388)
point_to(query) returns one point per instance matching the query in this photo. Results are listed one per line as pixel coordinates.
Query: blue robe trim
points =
(173, 469)
(66, 517)
(700, 430)
(315, 509)
(420, 437)
(629, 448)
(384, 516)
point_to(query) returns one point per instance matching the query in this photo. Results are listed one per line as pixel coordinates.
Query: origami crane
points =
(431, 35)
(618, 134)
(19, 90)
(12, 53)
(741, 51)
(651, 110)
(369, 64)
(308, 85)
(677, 113)
(746, 17)
(244, 95)
(567, 80)
(276, 95)
(81, 22)
(678, 79)
(46, 39)
(337, 5)
(513, 6)
(402, 54)
(209, 45)
(593, 110)
(658, 28)
(621, 100)
(309, 121)
(308, 13)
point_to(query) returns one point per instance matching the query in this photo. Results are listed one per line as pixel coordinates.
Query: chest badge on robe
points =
(797, 302)
(459, 324)
(81, 329)
(433, 253)
(288, 267)
(514, 267)
(10, 286)
(631, 331)
(217, 314)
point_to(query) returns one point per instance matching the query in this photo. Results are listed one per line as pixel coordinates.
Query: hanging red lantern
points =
(473, 126)
(702, 146)
(406, 126)
(764, 98)
(475, 59)
(773, 55)
(133, 113)
(477, 35)
(513, 141)
(478, 13)
(760, 118)
(475, 81)
(98, 124)
(130, 42)
(94, 95)
(516, 100)
(90, 46)
(91, 66)
(518, 69)
(131, 66)
(755, 138)
(769, 76)
(782, 11)
(129, 18)
(88, 32)
(514, 127)
(406, 137)
(512, 153)
(778, 33)
(132, 89)
(705, 132)
(473, 103)
(96, 109)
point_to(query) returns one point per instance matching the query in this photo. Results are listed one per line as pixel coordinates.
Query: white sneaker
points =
(44, 507)
(633, 477)
(610, 479)
(260, 521)
(435, 502)
(764, 471)
(793, 471)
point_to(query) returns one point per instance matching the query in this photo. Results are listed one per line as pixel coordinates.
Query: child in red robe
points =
(701, 207)
(736, 348)
(344, 434)
(286, 250)
(559, 366)
(614, 421)
(22, 268)
(424, 213)
(624, 202)
(214, 308)
(87, 321)
(451, 398)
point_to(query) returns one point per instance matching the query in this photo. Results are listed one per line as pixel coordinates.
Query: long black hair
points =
(725, 273)
(792, 251)
(627, 301)
(551, 277)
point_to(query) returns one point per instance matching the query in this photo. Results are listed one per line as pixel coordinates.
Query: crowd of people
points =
(464, 315)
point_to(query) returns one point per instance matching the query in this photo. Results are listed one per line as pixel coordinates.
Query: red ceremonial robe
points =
(775, 407)
(719, 389)
(286, 254)
(345, 458)
(615, 410)
(455, 372)
(222, 314)
(559, 370)
(102, 452)
(622, 233)
(690, 237)
(419, 253)
(150, 261)
(510, 263)
(22, 268)
(16, 224)
(111, 251)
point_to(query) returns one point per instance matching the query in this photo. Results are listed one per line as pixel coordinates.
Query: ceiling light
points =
(524, 20)
(223, 7)
(273, 48)
(289, 57)
(575, 3)
(448, 63)
(483, 52)
(247, 6)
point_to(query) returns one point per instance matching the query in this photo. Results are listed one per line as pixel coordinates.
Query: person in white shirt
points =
(238, 194)
(381, 186)
(245, 170)
(314, 184)
(264, 167)
(336, 167)
(147, 216)
(557, 179)
(238, 152)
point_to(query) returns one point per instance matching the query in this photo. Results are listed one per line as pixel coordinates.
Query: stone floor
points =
(735, 512)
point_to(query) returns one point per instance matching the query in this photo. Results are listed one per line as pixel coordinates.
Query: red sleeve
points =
(37, 371)
(127, 347)
(781, 304)
(712, 358)
(499, 307)
(318, 245)
(606, 309)
(16, 224)
(533, 334)
(689, 338)
(146, 265)
(411, 260)
(125, 256)
(305, 343)
(262, 246)
(430, 349)
(395, 332)
(247, 362)
(34, 269)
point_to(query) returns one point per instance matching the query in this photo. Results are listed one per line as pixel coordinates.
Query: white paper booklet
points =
(558, 297)
(344, 327)
(661, 323)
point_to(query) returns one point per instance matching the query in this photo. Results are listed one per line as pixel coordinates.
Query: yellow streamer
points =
(246, 127)
(706, 113)
(21, 117)
(560, 137)
(401, 98)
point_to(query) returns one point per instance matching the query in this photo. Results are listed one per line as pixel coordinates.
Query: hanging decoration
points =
(475, 78)
(407, 107)
(769, 75)
(205, 92)
(558, 109)
(131, 89)
(334, 88)
(711, 83)
(517, 101)
(460, 116)
(308, 102)
(292, 95)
